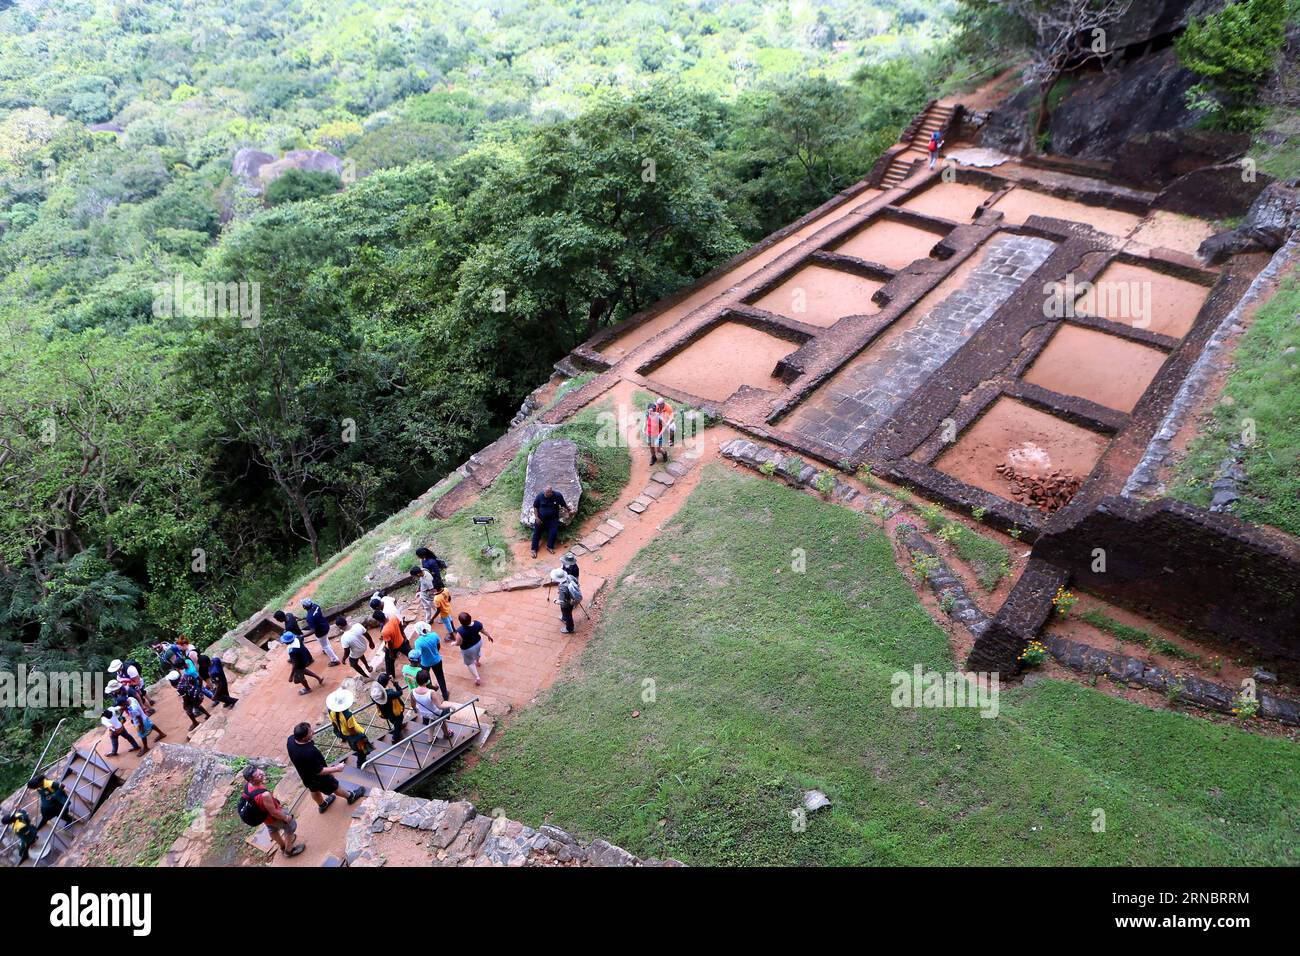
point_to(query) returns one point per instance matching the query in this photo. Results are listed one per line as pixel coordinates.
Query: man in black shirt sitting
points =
(317, 776)
(548, 507)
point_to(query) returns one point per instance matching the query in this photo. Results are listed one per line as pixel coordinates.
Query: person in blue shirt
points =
(433, 564)
(426, 652)
(548, 507)
(320, 626)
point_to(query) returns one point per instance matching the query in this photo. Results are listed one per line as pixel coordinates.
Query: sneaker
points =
(356, 795)
(325, 804)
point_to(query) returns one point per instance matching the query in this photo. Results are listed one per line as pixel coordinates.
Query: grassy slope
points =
(1263, 386)
(768, 683)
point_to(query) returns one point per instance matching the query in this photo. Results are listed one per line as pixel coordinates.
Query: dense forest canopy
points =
(165, 468)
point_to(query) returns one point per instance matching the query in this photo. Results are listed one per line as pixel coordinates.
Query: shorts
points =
(283, 826)
(299, 674)
(324, 784)
(470, 655)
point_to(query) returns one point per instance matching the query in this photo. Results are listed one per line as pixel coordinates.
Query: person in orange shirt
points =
(394, 642)
(667, 422)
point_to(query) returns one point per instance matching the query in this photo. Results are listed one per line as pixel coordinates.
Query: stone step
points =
(663, 478)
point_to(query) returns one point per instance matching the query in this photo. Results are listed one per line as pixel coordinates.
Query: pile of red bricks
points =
(1045, 492)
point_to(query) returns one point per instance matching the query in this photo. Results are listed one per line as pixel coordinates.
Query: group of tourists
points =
(418, 694)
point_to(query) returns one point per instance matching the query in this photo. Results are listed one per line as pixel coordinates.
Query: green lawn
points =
(1262, 390)
(768, 682)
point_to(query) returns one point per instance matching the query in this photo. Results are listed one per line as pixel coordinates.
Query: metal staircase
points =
(86, 777)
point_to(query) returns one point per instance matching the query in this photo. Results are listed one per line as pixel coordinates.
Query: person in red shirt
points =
(654, 432)
(279, 821)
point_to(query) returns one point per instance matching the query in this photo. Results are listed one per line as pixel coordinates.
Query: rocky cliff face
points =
(1103, 111)
(1133, 112)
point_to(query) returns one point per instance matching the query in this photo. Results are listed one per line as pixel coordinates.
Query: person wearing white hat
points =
(346, 726)
(128, 674)
(565, 598)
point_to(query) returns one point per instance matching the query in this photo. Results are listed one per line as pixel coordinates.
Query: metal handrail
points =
(45, 846)
(334, 743)
(5, 840)
(374, 761)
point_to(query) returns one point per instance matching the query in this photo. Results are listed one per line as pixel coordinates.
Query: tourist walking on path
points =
(433, 564)
(425, 650)
(21, 825)
(320, 626)
(346, 726)
(428, 705)
(667, 423)
(570, 564)
(317, 776)
(132, 708)
(190, 691)
(258, 806)
(128, 675)
(547, 509)
(654, 433)
(220, 684)
(427, 589)
(387, 695)
(394, 643)
(355, 641)
(52, 796)
(111, 718)
(935, 145)
(566, 598)
(442, 610)
(299, 661)
(469, 639)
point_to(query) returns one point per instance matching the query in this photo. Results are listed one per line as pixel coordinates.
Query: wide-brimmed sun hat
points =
(558, 575)
(173, 676)
(378, 694)
(112, 687)
(114, 667)
(341, 699)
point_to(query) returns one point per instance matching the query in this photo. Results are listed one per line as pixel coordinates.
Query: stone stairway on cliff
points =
(936, 118)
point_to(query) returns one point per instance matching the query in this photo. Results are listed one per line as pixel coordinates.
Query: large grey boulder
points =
(554, 462)
(248, 162)
(308, 160)
(1273, 216)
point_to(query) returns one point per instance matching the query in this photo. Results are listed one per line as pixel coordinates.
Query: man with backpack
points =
(257, 806)
(568, 597)
(53, 797)
(21, 825)
(433, 564)
(387, 695)
(319, 778)
(935, 145)
(190, 689)
(128, 675)
(346, 726)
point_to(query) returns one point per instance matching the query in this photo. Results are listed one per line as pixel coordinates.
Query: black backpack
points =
(249, 810)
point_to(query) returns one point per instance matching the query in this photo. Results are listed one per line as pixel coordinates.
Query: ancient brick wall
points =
(1204, 573)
